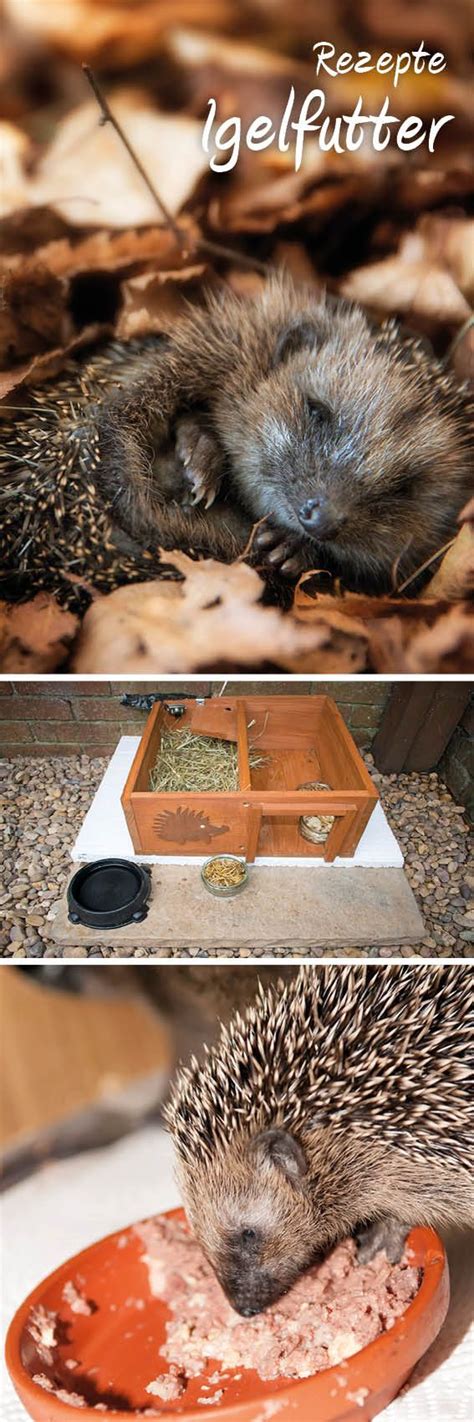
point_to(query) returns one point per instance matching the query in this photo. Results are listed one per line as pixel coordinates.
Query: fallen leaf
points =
(408, 283)
(415, 189)
(450, 240)
(154, 300)
(44, 367)
(273, 199)
(109, 31)
(87, 176)
(35, 636)
(238, 74)
(399, 22)
(402, 633)
(359, 605)
(213, 617)
(33, 313)
(447, 647)
(109, 251)
(454, 579)
(16, 150)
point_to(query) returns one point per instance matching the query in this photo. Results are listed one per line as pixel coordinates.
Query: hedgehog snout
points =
(251, 1291)
(320, 518)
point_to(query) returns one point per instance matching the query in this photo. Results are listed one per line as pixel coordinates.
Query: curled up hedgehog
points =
(339, 1104)
(349, 444)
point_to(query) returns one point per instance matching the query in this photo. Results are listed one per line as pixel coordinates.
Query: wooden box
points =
(302, 739)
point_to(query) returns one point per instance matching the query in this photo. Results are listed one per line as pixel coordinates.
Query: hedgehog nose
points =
(319, 517)
(248, 1311)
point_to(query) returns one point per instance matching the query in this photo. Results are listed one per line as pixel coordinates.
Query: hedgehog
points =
(348, 444)
(338, 1104)
(60, 528)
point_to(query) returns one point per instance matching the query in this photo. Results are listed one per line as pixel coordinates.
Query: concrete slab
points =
(281, 908)
(104, 832)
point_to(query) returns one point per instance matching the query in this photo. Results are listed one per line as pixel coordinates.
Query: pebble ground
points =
(43, 803)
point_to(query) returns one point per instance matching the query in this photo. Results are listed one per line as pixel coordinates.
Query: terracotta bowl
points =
(115, 1348)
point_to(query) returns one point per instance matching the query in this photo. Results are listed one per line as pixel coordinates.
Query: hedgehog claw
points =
(277, 552)
(200, 457)
(264, 538)
(387, 1234)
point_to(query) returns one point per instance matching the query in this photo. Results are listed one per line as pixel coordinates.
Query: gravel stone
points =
(37, 831)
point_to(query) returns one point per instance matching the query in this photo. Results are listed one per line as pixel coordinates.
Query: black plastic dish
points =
(109, 894)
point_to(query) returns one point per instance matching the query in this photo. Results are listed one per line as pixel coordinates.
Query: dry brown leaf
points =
(15, 152)
(35, 636)
(417, 189)
(408, 283)
(87, 176)
(154, 300)
(449, 240)
(111, 31)
(33, 313)
(454, 579)
(200, 52)
(402, 634)
(242, 77)
(399, 24)
(45, 367)
(360, 605)
(109, 251)
(213, 617)
(446, 647)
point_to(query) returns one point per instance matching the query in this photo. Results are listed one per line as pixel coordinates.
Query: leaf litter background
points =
(83, 257)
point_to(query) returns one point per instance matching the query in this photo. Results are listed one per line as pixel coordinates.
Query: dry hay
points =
(188, 762)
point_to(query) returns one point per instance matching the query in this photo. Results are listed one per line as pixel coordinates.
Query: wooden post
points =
(254, 821)
(417, 725)
(339, 837)
(245, 781)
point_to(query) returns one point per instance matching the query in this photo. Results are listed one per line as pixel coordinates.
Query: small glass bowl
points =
(225, 891)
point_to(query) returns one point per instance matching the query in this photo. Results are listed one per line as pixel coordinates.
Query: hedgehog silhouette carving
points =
(341, 1103)
(179, 826)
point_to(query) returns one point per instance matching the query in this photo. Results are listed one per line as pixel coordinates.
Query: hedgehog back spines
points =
(56, 525)
(322, 1052)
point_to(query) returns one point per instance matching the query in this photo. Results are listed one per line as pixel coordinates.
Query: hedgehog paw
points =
(201, 458)
(387, 1234)
(282, 554)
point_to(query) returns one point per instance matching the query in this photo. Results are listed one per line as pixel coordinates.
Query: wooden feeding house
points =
(285, 746)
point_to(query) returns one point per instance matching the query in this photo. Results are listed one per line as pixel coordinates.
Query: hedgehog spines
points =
(350, 1047)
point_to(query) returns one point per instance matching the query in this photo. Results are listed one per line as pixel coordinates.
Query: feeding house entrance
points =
(282, 749)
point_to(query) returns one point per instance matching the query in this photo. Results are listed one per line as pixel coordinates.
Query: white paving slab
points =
(105, 833)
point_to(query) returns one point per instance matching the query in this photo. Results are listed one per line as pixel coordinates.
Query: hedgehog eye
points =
(405, 481)
(248, 1236)
(319, 412)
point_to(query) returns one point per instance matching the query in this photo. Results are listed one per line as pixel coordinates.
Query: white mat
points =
(68, 1205)
(104, 832)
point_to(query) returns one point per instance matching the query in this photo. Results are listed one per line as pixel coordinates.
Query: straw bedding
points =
(188, 762)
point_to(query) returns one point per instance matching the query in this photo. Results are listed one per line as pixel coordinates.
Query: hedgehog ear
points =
(280, 1148)
(300, 334)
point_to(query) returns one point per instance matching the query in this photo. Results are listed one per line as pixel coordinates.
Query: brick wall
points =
(457, 765)
(67, 717)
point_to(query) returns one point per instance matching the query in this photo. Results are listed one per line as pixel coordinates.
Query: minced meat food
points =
(333, 1310)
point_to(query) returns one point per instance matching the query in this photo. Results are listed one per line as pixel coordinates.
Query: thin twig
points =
(249, 544)
(108, 117)
(424, 566)
(467, 325)
(200, 244)
(396, 565)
